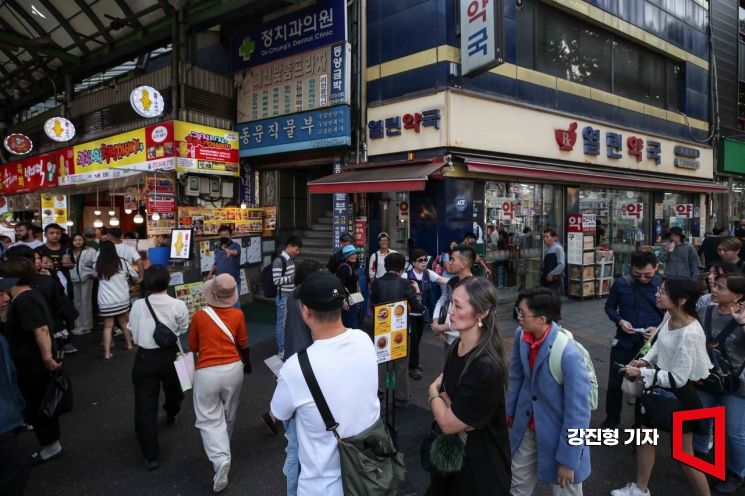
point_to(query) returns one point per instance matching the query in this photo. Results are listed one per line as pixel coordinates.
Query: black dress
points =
(478, 400)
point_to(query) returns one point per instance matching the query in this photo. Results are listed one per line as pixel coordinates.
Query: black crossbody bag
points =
(164, 337)
(723, 378)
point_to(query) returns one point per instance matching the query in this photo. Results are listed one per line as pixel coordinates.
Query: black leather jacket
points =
(392, 287)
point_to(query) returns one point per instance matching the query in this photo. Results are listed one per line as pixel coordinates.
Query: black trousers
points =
(15, 465)
(417, 329)
(33, 385)
(151, 369)
(614, 397)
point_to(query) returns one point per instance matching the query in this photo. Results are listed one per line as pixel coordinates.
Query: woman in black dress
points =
(469, 395)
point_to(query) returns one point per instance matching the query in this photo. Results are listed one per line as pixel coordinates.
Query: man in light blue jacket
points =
(540, 410)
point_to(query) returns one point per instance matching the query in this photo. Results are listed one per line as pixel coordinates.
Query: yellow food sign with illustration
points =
(391, 331)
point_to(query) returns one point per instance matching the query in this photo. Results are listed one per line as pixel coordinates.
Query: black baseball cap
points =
(322, 291)
(345, 238)
(7, 282)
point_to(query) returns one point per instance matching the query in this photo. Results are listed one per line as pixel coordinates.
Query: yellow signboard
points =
(391, 331)
(206, 149)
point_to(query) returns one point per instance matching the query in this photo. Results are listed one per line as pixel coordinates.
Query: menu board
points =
(192, 295)
(166, 208)
(207, 221)
(53, 209)
(391, 330)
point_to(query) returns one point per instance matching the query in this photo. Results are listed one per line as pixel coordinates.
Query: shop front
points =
(528, 170)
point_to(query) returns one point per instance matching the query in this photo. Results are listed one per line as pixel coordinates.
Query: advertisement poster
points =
(192, 295)
(253, 250)
(575, 247)
(270, 220)
(391, 331)
(53, 209)
(317, 25)
(306, 81)
(360, 231)
(166, 208)
(632, 211)
(180, 244)
(589, 223)
(206, 221)
(206, 255)
(206, 149)
(39, 172)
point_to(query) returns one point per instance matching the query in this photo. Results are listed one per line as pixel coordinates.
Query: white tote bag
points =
(184, 364)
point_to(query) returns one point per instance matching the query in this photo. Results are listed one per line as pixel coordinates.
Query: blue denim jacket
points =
(11, 401)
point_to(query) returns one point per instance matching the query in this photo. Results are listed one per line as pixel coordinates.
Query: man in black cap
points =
(344, 363)
(336, 258)
(680, 257)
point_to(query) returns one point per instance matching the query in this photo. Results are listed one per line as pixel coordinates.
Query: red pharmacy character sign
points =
(566, 138)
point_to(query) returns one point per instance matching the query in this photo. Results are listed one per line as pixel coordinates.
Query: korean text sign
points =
(206, 149)
(391, 331)
(39, 172)
(303, 131)
(480, 28)
(306, 81)
(317, 25)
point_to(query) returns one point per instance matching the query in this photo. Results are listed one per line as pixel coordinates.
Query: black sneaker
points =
(270, 423)
(732, 485)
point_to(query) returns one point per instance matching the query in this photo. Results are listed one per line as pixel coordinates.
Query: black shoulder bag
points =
(723, 379)
(163, 335)
(370, 463)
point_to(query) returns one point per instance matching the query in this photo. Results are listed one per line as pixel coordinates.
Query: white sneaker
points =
(117, 331)
(221, 477)
(80, 332)
(629, 489)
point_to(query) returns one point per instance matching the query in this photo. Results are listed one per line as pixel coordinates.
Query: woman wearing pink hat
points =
(218, 335)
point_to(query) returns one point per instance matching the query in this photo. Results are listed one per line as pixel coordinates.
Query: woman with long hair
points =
(468, 398)
(710, 277)
(722, 322)
(82, 276)
(676, 361)
(114, 274)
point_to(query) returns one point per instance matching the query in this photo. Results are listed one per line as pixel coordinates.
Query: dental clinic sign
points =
(480, 35)
(315, 26)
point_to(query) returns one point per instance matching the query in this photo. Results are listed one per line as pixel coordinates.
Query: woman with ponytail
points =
(472, 454)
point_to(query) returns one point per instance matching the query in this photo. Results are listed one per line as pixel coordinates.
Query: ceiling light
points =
(70, 223)
(111, 213)
(155, 216)
(138, 219)
(244, 206)
(36, 11)
(114, 221)
(98, 223)
(127, 211)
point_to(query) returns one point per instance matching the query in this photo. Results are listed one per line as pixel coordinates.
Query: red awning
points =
(547, 172)
(377, 179)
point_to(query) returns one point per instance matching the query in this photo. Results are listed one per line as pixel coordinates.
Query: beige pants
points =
(525, 471)
(217, 391)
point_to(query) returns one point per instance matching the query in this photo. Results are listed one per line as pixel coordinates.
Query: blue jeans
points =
(291, 468)
(281, 301)
(350, 318)
(238, 288)
(735, 424)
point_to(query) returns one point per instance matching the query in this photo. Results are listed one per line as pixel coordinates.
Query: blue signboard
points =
(321, 128)
(317, 25)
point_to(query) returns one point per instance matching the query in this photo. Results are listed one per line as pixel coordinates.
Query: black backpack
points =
(163, 335)
(267, 278)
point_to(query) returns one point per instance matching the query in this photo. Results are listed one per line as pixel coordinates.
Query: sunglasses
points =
(420, 260)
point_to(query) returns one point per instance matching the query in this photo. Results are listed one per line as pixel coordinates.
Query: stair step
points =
(321, 243)
(325, 220)
(322, 227)
(322, 234)
(313, 252)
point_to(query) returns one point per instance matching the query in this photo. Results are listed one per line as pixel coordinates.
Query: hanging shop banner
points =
(307, 81)
(481, 35)
(206, 221)
(304, 131)
(206, 149)
(391, 329)
(684, 210)
(632, 211)
(305, 29)
(147, 101)
(249, 186)
(38, 172)
(53, 209)
(166, 208)
(18, 144)
(342, 217)
(59, 129)
(145, 149)
(360, 231)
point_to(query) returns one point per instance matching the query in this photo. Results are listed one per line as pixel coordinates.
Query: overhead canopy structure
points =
(378, 178)
(42, 40)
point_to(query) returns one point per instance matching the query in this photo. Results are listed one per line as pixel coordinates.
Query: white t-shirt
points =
(31, 244)
(170, 311)
(346, 368)
(128, 253)
(377, 262)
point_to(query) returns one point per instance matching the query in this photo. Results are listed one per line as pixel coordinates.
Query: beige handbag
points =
(636, 387)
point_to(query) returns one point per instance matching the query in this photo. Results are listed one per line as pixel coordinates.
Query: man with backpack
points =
(551, 393)
(337, 257)
(283, 279)
(376, 267)
(632, 308)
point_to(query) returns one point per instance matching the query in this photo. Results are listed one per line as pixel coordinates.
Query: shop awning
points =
(377, 179)
(606, 178)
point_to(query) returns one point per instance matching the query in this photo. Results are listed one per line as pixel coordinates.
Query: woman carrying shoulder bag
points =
(723, 325)
(218, 335)
(468, 400)
(676, 361)
(154, 364)
(83, 276)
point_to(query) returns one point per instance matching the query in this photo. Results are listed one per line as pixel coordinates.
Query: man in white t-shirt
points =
(376, 266)
(345, 365)
(126, 252)
(25, 236)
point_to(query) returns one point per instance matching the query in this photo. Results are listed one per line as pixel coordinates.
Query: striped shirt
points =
(285, 283)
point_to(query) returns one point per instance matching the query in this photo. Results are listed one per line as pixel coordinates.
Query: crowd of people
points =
(500, 423)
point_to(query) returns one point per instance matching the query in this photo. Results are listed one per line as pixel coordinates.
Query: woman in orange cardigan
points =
(218, 335)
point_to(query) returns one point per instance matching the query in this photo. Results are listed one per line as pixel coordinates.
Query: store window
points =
(513, 208)
(565, 46)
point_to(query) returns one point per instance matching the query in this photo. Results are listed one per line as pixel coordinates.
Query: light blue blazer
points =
(556, 408)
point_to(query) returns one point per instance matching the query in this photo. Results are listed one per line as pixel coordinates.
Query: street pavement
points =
(102, 457)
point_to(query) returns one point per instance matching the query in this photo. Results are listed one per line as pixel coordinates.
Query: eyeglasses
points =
(521, 315)
(661, 291)
(420, 260)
